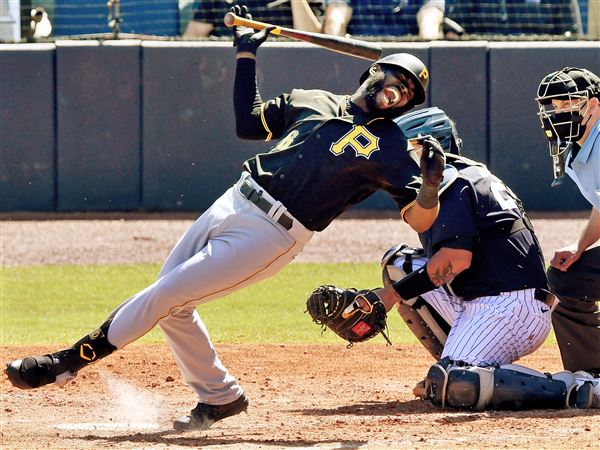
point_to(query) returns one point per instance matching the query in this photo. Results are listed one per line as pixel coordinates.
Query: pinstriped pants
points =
(492, 330)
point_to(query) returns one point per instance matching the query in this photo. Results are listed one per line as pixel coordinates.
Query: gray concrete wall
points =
(126, 125)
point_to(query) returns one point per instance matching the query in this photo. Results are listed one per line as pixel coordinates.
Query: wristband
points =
(415, 284)
(427, 198)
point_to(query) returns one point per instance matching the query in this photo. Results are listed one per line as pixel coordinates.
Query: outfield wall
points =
(148, 126)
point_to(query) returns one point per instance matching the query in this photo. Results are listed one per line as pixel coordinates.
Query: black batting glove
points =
(244, 38)
(432, 161)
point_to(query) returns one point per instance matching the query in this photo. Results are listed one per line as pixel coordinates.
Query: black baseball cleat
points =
(36, 371)
(204, 415)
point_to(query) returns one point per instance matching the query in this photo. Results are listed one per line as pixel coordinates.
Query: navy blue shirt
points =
(477, 213)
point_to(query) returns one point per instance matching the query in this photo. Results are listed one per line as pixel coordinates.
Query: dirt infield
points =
(324, 397)
(302, 396)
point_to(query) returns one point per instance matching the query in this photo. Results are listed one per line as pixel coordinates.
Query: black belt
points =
(544, 296)
(265, 205)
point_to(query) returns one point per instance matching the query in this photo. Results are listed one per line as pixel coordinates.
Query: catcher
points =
(476, 295)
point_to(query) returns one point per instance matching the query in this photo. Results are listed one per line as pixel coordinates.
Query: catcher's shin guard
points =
(508, 387)
(422, 319)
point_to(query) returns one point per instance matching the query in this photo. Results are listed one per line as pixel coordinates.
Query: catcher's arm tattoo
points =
(447, 263)
(442, 275)
(440, 269)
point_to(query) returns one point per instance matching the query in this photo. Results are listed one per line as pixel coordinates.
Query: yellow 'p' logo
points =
(424, 74)
(358, 138)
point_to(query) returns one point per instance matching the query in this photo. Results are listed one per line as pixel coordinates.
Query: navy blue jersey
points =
(331, 156)
(479, 213)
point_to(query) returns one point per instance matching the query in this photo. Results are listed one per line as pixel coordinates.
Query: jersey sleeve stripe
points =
(264, 122)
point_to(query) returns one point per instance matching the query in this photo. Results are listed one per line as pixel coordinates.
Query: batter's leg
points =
(576, 319)
(244, 247)
(197, 358)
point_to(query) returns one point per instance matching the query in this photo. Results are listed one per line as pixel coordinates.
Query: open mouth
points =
(392, 95)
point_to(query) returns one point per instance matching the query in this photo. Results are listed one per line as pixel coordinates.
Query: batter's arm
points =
(419, 218)
(421, 215)
(247, 100)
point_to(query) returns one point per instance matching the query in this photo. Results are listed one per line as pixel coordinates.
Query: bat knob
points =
(229, 19)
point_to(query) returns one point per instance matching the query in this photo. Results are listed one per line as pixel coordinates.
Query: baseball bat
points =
(348, 46)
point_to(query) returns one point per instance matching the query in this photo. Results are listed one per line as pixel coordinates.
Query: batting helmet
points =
(412, 66)
(573, 84)
(432, 121)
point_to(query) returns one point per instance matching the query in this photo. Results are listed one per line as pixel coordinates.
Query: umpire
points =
(569, 109)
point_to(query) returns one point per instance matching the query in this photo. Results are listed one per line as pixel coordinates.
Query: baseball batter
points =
(477, 297)
(333, 151)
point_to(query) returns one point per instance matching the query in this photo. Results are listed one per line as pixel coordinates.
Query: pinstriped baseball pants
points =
(492, 330)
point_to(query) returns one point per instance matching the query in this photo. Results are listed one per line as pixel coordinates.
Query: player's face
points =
(387, 91)
(567, 105)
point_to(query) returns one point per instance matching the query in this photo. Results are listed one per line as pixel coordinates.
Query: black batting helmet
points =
(431, 121)
(412, 66)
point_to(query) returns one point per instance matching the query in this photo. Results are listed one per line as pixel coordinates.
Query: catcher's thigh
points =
(498, 330)
(507, 387)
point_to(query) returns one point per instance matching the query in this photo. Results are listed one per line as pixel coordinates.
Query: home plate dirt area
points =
(301, 396)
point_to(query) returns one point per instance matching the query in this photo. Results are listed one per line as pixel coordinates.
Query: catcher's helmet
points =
(431, 121)
(412, 66)
(574, 85)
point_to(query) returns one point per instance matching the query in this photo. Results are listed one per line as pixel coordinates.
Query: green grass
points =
(60, 304)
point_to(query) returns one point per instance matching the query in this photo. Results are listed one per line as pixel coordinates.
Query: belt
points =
(265, 205)
(545, 297)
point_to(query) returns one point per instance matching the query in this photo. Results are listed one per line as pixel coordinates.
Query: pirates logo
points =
(361, 140)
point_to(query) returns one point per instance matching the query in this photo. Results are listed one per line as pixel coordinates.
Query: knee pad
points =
(422, 319)
(459, 387)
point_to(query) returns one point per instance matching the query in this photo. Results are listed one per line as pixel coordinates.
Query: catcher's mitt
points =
(353, 315)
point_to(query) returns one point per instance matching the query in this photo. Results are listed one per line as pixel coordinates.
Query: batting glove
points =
(244, 38)
(432, 161)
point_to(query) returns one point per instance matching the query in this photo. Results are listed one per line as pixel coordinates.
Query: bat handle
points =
(231, 20)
